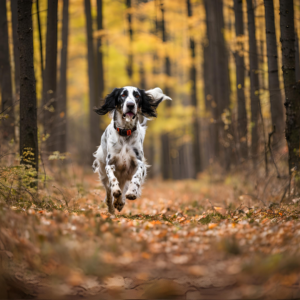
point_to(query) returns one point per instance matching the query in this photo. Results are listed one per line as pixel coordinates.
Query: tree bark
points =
(254, 94)
(297, 58)
(49, 83)
(220, 97)
(28, 110)
(99, 50)
(292, 90)
(275, 93)
(14, 18)
(130, 31)
(94, 130)
(194, 100)
(62, 86)
(40, 38)
(5, 77)
(240, 82)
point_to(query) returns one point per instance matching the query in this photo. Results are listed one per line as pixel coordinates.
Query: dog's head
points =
(129, 101)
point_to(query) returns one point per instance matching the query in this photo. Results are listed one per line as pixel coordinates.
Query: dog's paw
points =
(131, 194)
(119, 205)
(116, 191)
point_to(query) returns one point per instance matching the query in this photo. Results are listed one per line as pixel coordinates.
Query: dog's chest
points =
(125, 159)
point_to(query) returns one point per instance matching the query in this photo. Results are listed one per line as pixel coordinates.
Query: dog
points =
(120, 159)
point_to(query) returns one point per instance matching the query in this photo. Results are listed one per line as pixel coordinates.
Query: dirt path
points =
(185, 240)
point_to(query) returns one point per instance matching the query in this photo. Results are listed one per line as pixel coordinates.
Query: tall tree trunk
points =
(292, 90)
(14, 18)
(28, 111)
(5, 77)
(194, 101)
(130, 31)
(94, 130)
(275, 93)
(40, 38)
(297, 58)
(167, 162)
(62, 85)
(220, 97)
(254, 94)
(240, 81)
(99, 49)
(49, 83)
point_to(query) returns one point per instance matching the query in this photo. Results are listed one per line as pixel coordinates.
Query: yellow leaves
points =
(212, 225)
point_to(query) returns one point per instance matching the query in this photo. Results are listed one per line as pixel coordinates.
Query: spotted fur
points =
(120, 160)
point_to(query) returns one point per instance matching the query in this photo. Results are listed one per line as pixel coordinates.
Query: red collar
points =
(125, 132)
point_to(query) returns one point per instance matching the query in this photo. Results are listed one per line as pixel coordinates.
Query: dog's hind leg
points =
(134, 189)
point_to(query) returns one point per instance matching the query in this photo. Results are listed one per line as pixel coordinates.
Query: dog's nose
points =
(130, 105)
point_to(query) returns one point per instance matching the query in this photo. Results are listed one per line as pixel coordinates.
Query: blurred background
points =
(210, 57)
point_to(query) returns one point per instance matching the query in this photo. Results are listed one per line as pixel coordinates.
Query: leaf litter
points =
(181, 239)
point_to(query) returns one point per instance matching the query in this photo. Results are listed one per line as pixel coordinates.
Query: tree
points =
(297, 57)
(240, 81)
(274, 89)
(220, 89)
(49, 83)
(62, 85)
(292, 90)
(14, 19)
(5, 77)
(130, 32)
(94, 132)
(28, 111)
(99, 50)
(254, 94)
(194, 101)
(166, 162)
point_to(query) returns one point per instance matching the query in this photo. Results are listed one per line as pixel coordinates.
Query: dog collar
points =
(125, 132)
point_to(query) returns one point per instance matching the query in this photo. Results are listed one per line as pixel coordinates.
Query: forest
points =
(219, 214)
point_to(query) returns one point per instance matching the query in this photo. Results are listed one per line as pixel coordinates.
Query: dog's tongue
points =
(129, 115)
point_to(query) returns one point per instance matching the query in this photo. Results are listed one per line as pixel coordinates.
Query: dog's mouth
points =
(129, 116)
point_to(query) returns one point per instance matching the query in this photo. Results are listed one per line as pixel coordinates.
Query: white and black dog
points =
(119, 159)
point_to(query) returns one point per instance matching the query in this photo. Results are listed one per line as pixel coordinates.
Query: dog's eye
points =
(137, 96)
(124, 95)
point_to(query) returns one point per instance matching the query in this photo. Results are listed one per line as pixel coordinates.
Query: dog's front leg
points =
(134, 189)
(113, 181)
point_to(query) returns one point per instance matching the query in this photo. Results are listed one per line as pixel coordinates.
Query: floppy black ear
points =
(148, 105)
(109, 104)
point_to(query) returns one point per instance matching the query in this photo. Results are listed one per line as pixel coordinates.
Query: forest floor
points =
(194, 239)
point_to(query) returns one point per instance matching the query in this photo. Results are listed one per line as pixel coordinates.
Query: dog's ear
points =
(150, 101)
(110, 102)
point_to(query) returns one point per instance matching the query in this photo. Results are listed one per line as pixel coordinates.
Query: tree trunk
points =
(5, 77)
(28, 111)
(254, 94)
(220, 98)
(62, 85)
(99, 50)
(49, 83)
(40, 38)
(94, 129)
(240, 82)
(297, 58)
(292, 90)
(14, 18)
(274, 89)
(130, 31)
(194, 101)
